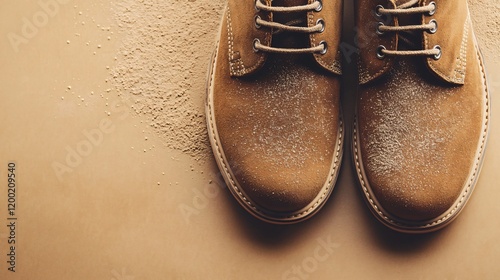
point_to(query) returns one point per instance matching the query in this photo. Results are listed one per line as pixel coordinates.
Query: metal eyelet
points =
(431, 13)
(380, 53)
(438, 56)
(433, 30)
(378, 31)
(325, 47)
(322, 22)
(255, 42)
(377, 11)
(258, 26)
(320, 7)
(255, 6)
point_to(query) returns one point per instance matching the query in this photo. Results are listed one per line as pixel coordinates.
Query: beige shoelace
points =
(289, 27)
(408, 9)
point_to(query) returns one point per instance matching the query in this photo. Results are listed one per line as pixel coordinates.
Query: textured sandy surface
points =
(102, 111)
(487, 26)
(162, 66)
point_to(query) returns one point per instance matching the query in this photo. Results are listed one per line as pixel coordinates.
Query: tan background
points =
(144, 200)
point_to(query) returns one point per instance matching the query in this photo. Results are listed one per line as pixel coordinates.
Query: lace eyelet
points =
(377, 11)
(322, 22)
(431, 13)
(438, 56)
(320, 7)
(378, 31)
(257, 17)
(325, 47)
(380, 53)
(255, 42)
(433, 30)
(255, 6)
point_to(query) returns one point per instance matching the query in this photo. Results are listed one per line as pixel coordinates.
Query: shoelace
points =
(408, 9)
(289, 27)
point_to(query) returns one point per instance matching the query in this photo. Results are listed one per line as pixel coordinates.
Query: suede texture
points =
(369, 66)
(421, 129)
(278, 128)
(333, 28)
(241, 32)
(452, 36)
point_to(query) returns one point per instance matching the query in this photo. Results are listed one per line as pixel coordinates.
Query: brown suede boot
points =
(273, 107)
(422, 111)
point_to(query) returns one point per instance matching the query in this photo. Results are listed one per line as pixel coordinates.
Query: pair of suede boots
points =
(422, 113)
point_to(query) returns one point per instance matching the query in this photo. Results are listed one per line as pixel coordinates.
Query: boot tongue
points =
(401, 2)
(290, 39)
(413, 38)
(289, 3)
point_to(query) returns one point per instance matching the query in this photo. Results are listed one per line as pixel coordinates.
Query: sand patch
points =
(487, 27)
(162, 66)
